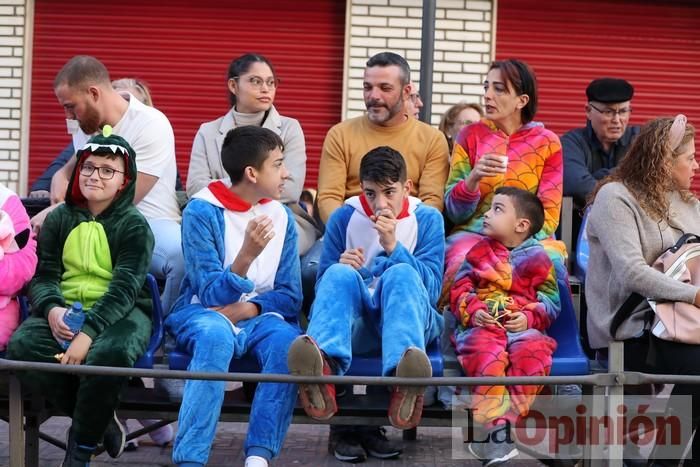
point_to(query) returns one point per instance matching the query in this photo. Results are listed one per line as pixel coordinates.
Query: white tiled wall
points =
(463, 46)
(12, 56)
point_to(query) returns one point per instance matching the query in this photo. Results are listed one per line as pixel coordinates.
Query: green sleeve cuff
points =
(89, 330)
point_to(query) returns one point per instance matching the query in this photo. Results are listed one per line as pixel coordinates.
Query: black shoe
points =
(77, 455)
(114, 440)
(373, 439)
(345, 446)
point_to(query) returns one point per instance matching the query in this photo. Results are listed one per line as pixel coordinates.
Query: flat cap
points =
(609, 90)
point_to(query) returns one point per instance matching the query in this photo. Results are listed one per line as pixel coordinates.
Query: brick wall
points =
(463, 46)
(12, 56)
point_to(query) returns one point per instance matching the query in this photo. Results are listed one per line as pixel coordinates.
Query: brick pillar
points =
(12, 69)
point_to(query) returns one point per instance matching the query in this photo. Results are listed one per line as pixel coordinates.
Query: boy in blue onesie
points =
(241, 295)
(379, 279)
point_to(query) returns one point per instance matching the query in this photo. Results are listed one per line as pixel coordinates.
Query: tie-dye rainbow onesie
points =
(534, 164)
(500, 281)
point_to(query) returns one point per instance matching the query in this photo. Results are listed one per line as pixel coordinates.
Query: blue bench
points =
(569, 359)
(147, 359)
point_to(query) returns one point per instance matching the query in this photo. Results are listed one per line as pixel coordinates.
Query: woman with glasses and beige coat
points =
(252, 84)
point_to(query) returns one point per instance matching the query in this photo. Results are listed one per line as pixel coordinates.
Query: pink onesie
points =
(17, 260)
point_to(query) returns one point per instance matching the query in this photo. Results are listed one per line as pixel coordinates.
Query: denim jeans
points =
(309, 269)
(168, 263)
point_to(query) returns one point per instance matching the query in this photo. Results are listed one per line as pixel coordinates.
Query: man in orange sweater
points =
(387, 91)
(387, 87)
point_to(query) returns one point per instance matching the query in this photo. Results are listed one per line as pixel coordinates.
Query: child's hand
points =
(59, 329)
(78, 350)
(354, 257)
(258, 234)
(517, 322)
(385, 224)
(482, 318)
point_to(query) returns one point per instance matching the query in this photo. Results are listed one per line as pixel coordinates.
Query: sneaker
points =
(373, 439)
(306, 359)
(345, 446)
(255, 461)
(476, 450)
(114, 439)
(494, 454)
(131, 445)
(406, 403)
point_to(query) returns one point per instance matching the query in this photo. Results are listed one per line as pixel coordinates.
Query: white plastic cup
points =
(502, 158)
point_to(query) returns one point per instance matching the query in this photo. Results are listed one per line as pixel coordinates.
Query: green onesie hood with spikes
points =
(102, 260)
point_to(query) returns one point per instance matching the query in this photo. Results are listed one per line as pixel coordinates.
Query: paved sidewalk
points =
(305, 446)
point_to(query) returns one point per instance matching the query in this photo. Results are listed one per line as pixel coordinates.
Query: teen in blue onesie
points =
(379, 279)
(241, 295)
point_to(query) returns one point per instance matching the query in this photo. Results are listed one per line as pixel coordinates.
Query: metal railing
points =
(609, 384)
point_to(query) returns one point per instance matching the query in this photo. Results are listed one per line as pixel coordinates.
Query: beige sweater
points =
(423, 147)
(624, 241)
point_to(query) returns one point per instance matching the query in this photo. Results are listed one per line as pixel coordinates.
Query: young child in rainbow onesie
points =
(504, 298)
(94, 249)
(241, 295)
(379, 279)
(17, 260)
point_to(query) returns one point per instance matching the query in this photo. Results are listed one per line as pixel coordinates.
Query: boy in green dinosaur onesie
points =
(95, 249)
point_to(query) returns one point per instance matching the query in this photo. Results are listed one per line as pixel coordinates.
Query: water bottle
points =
(74, 317)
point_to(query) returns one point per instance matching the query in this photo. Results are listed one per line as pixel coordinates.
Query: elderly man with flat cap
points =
(590, 153)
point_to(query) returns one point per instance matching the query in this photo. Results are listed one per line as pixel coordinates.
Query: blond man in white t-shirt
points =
(84, 89)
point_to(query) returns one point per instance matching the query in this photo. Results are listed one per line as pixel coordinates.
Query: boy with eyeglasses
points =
(94, 249)
(590, 153)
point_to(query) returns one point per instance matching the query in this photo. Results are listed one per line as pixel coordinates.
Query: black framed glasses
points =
(611, 113)
(104, 172)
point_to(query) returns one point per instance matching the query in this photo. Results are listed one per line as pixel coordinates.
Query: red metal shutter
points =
(182, 49)
(654, 45)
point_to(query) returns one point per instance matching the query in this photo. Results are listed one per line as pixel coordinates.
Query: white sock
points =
(255, 461)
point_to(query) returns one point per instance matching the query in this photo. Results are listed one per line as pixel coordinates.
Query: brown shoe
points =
(306, 359)
(406, 403)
